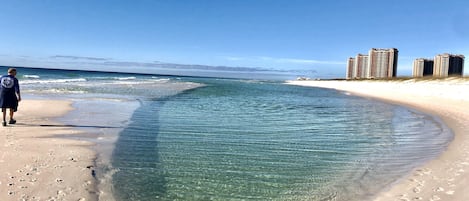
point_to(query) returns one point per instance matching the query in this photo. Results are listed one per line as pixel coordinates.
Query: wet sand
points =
(446, 177)
(36, 164)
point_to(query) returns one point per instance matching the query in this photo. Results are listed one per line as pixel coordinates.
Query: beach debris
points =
(93, 172)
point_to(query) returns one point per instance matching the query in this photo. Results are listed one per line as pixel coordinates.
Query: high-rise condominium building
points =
(361, 65)
(448, 65)
(350, 68)
(423, 67)
(382, 63)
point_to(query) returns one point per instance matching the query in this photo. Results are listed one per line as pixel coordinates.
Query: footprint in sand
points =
(417, 190)
(450, 192)
(421, 172)
(418, 182)
(403, 197)
(439, 189)
(435, 198)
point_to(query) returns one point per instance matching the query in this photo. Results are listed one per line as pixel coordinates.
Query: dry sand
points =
(36, 164)
(446, 177)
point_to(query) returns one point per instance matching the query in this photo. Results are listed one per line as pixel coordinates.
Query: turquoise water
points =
(238, 140)
(228, 139)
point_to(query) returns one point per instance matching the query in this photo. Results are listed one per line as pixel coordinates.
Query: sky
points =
(315, 37)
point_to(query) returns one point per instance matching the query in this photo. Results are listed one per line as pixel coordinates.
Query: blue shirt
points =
(9, 83)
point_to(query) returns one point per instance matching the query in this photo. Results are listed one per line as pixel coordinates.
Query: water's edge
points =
(93, 116)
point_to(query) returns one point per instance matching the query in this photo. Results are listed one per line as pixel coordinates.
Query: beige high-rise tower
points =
(379, 63)
(448, 65)
(382, 63)
(361, 65)
(350, 74)
(422, 67)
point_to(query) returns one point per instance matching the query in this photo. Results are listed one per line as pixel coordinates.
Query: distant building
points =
(350, 68)
(361, 66)
(382, 63)
(423, 67)
(448, 65)
(379, 63)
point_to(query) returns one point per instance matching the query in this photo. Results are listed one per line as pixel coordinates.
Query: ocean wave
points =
(53, 81)
(55, 91)
(112, 78)
(161, 79)
(32, 76)
(125, 78)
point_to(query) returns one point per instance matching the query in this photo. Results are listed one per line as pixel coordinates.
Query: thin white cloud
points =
(234, 58)
(79, 58)
(306, 61)
(284, 60)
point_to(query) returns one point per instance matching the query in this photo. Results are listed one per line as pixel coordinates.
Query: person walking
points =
(9, 95)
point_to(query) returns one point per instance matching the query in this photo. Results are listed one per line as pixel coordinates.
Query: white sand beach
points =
(35, 164)
(446, 177)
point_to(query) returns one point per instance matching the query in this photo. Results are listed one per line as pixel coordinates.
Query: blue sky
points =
(292, 35)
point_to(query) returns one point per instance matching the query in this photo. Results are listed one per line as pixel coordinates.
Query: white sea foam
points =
(125, 78)
(32, 76)
(54, 91)
(161, 79)
(53, 81)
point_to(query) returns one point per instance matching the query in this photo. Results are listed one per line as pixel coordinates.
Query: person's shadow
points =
(65, 125)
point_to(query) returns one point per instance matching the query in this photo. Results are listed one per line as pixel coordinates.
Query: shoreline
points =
(445, 177)
(39, 163)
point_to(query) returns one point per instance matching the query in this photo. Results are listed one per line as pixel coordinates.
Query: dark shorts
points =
(9, 100)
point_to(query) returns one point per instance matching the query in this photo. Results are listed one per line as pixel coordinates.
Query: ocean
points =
(193, 138)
